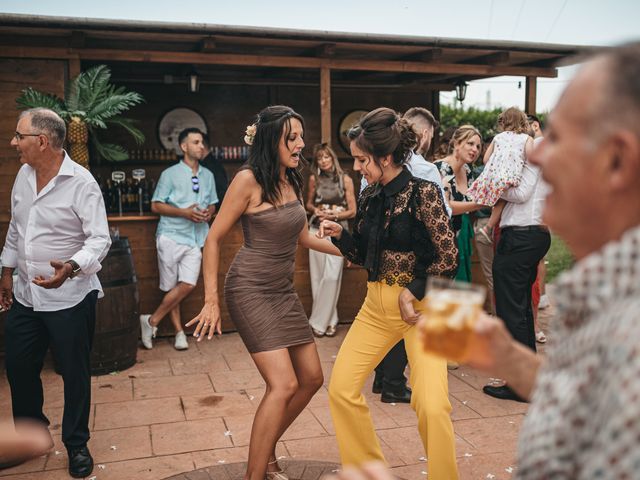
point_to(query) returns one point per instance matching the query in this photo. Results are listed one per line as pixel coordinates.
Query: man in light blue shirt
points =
(185, 199)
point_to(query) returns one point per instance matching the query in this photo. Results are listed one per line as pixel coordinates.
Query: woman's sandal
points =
(486, 233)
(279, 475)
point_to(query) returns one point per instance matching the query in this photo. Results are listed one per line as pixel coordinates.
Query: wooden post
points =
(74, 67)
(530, 95)
(325, 105)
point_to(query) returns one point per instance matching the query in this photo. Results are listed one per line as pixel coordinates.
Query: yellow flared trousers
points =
(376, 329)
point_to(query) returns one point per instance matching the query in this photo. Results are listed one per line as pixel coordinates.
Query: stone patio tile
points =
(138, 412)
(219, 456)
(416, 471)
(163, 349)
(401, 413)
(319, 448)
(189, 436)
(33, 465)
(217, 405)
(304, 426)
(381, 420)
(471, 377)
(210, 363)
(239, 380)
(390, 455)
(129, 443)
(327, 368)
(488, 406)
(173, 386)
(239, 361)
(44, 475)
(461, 411)
(141, 369)
(114, 391)
(480, 466)
(218, 344)
(457, 385)
(153, 468)
(404, 442)
(491, 435)
(463, 448)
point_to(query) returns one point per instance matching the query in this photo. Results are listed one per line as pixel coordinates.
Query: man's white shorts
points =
(177, 263)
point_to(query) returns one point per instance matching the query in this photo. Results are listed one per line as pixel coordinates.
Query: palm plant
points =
(91, 103)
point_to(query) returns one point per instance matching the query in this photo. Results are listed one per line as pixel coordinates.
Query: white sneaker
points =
(544, 302)
(147, 331)
(181, 341)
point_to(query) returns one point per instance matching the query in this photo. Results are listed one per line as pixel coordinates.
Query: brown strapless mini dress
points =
(258, 289)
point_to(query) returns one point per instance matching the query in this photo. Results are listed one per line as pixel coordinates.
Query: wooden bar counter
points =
(141, 231)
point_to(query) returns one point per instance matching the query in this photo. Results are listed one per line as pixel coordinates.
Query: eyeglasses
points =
(195, 184)
(20, 136)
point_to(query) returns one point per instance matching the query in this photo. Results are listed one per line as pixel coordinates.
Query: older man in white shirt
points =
(57, 237)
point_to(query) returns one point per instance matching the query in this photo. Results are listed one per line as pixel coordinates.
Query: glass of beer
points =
(450, 310)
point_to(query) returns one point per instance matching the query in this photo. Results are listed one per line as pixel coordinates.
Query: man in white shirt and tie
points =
(57, 237)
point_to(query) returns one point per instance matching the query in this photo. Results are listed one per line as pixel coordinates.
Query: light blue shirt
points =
(420, 168)
(175, 188)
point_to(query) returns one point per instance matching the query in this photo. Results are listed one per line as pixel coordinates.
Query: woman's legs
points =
(430, 400)
(277, 371)
(370, 337)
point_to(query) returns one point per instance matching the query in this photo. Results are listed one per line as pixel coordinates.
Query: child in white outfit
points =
(504, 161)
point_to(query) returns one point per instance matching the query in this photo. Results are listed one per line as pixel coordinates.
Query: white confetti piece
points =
(463, 374)
(490, 475)
(512, 422)
(222, 461)
(423, 459)
(464, 402)
(334, 356)
(335, 471)
(57, 452)
(101, 467)
(251, 397)
(423, 472)
(509, 469)
(468, 455)
(113, 447)
(228, 433)
(393, 404)
(281, 457)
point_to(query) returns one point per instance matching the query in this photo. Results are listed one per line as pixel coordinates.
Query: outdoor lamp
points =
(461, 90)
(194, 82)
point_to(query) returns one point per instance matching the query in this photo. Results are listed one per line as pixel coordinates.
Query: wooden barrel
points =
(117, 314)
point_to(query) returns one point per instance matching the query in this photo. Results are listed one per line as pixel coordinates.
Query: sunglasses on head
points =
(195, 184)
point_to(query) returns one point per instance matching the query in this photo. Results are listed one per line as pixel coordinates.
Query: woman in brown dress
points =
(266, 196)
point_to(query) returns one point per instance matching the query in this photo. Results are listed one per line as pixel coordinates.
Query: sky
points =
(573, 22)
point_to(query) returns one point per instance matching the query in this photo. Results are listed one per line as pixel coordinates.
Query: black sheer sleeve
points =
(351, 245)
(433, 238)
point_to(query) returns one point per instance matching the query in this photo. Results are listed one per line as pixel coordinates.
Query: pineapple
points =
(78, 136)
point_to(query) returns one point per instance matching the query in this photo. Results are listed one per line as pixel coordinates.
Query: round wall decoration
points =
(348, 121)
(176, 120)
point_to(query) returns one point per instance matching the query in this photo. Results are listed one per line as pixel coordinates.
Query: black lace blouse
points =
(402, 234)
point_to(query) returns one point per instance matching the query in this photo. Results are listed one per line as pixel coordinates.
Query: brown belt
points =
(527, 228)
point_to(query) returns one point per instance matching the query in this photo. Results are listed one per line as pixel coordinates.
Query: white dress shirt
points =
(65, 221)
(526, 201)
(420, 168)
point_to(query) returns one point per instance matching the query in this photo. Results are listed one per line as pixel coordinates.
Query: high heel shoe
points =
(277, 475)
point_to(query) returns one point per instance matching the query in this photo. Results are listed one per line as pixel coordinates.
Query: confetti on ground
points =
(335, 471)
(113, 447)
(281, 457)
(393, 404)
(101, 467)
(464, 402)
(57, 452)
(93, 478)
(251, 397)
(463, 374)
(222, 461)
(334, 356)
(509, 469)
(423, 459)
(512, 422)
(490, 475)
(228, 433)
(423, 472)
(468, 455)
(115, 372)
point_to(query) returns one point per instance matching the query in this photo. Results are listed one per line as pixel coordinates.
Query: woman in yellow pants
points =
(402, 234)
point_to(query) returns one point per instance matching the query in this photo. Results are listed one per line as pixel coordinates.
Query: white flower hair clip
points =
(250, 134)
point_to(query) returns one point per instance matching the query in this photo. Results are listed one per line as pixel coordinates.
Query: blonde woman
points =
(331, 196)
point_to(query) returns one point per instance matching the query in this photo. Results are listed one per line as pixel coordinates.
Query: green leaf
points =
(109, 151)
(129, 126)
(31, 98)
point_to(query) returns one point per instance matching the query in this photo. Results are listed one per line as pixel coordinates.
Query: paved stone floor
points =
(176, 412)
(296, 470)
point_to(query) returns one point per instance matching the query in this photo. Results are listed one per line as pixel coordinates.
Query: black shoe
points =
(377, 384)
(392, 397)
(503, 393)
(80, 462)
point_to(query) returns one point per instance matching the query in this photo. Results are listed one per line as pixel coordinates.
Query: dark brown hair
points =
(383, 132)
(273, 123)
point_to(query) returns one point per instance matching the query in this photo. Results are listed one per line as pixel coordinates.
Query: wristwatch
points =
(75, 268)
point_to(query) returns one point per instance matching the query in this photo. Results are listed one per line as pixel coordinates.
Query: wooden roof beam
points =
(278, 61)
(426, 56)
(326, 50)
(208, 44)
(77, 39)
(495, 58)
